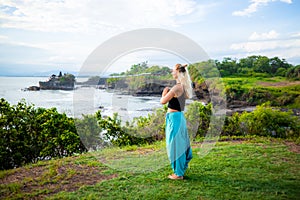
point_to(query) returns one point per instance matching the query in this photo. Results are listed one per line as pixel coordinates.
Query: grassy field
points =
(254, 81)
(257, 168)
(278, 90)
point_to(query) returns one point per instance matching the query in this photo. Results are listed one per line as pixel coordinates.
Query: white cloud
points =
(255, 4)
(254, 46)
(283, 48)
(267, 41)
(295, 34)
(95, 15)
(264, 36)
(3, 37)
(286, 1)
(91, 21)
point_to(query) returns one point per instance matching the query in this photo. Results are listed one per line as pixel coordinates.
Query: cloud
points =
(267, 41)
(295, 35)
(45, 53)
(255, 4)
(264, 36)
(3, 37)
(271, 45)
(95, 15)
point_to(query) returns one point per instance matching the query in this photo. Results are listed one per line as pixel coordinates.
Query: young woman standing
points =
(177, 137)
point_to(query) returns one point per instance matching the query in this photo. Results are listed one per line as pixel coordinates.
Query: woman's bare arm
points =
(166, 96)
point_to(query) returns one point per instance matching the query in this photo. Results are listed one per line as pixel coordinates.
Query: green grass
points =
(257, 90)
(250, 82)
(256, 168)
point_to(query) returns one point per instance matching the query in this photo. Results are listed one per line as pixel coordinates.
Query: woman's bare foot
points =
(175, 177)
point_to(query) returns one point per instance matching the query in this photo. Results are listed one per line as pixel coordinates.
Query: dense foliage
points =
(138, 74)
(264, 121)
(142, 130)
(143, 68)
(198, 118)
(28, 134)
(90, 132)
(251, 92)
(244, 80)
(258, 66)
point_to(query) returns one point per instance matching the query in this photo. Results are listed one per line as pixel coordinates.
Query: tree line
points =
(258, 66)
(255, 65)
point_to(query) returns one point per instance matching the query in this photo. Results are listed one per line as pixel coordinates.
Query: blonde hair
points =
(185, 80)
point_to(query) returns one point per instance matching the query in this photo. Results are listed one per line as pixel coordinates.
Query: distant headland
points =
(56, 82)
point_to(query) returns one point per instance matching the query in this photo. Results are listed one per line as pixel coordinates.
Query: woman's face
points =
(175, 72)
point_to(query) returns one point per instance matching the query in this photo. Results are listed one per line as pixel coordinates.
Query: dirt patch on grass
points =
(293, 147)
(279, 84)
(41, 181)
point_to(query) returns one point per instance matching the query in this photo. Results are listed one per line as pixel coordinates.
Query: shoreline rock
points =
(32, 88)
(60, 82)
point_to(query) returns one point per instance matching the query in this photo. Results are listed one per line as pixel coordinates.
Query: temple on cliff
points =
(60, 82)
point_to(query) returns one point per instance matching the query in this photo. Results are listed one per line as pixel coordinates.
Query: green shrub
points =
(28, 134)
(17, 145)
(198, 118)
(232, 126)
(59, 133)
(90, 132)
(266, 121)
(151, 127)
(141, 130)
(112, 129)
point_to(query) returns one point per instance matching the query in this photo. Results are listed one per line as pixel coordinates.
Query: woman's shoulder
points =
(178, 86)
(177, 89)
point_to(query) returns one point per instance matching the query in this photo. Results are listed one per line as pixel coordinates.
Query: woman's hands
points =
(166, 95)
(165, 91)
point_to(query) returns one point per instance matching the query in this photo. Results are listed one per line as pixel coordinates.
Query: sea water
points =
(78, 102)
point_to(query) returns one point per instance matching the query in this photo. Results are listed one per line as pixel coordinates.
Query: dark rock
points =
(32, 88)
(152, 88)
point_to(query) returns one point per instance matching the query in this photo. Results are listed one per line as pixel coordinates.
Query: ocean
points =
(78, 102)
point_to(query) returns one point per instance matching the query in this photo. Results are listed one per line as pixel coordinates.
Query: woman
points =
(177, 138)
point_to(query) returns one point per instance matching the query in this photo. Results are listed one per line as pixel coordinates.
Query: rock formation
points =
(60, 82)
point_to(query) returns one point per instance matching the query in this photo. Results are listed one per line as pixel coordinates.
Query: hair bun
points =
(182, 69)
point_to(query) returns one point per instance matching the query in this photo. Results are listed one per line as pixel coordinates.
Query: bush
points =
(28, 135)
(141, 131)
(198, 118)
(59, 133)
(151, 128)
(266, 121)
(112, 129)
(18, 135)
(232, 126)
(263, 121)
(90, 132)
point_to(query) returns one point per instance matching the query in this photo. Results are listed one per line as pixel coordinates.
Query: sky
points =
(42, 36)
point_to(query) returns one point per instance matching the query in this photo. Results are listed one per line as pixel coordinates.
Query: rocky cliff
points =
(60, 82)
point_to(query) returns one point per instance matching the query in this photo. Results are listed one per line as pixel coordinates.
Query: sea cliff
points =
(60, 82)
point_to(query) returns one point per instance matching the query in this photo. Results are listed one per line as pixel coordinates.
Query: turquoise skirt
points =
(178, 142)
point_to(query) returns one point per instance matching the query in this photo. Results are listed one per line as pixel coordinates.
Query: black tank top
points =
(177, 103)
